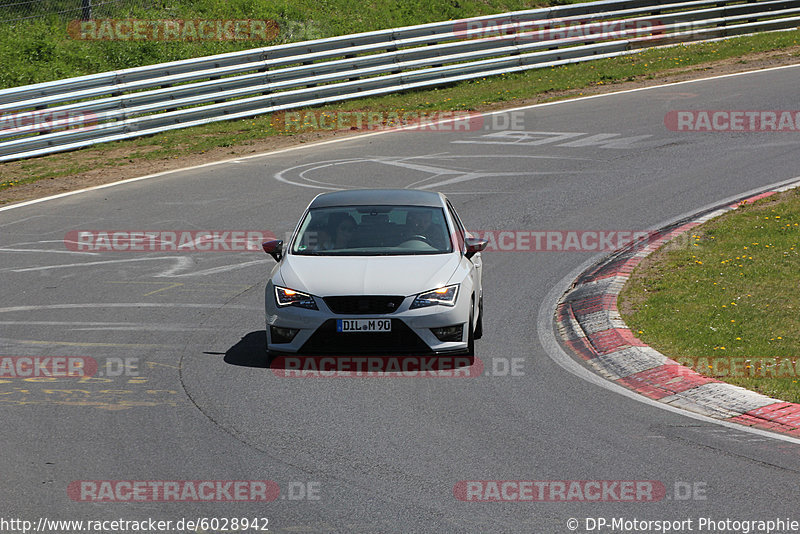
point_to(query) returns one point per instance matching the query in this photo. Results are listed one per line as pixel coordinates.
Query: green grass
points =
(41, 50)
(727, 304)
(553, 83)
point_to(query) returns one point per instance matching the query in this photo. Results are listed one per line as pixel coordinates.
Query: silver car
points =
(377, 271)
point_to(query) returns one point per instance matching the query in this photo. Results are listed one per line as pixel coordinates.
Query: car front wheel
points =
(471, 332)
(479, 327)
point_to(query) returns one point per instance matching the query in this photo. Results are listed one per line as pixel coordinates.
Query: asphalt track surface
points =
(379, 454)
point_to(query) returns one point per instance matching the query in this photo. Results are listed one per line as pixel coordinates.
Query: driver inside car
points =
(420, 224)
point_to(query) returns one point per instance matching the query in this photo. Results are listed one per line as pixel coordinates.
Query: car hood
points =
(367, 275)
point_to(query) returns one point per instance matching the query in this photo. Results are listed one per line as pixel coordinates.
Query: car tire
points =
(479, 327)
(471, 333)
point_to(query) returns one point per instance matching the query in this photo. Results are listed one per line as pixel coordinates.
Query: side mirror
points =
(474, 245)
(274, 248)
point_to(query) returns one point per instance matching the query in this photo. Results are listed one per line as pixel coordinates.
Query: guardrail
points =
(77, 112)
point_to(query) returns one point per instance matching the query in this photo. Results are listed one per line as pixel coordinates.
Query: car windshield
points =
(373, 231)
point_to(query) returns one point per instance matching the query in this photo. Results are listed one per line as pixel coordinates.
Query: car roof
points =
(378, 197)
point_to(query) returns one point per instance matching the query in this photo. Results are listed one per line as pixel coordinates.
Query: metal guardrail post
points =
(86, 9)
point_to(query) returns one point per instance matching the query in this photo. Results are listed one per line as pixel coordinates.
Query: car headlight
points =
(443, 296)
(290, 297)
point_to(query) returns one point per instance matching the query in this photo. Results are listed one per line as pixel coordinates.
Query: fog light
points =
(448, 333)
(282, 335)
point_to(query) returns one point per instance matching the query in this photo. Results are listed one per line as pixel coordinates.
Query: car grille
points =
(326, 340)
(367, 304)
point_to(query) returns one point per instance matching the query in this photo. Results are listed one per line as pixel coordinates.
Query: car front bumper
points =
(410, 333)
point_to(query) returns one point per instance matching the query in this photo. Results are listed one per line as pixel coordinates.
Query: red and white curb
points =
(590, 324)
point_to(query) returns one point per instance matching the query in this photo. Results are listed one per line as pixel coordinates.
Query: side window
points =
(460, 232)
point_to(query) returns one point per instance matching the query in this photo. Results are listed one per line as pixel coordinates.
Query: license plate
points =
(363, 325)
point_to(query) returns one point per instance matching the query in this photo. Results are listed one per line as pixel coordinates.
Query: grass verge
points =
(479, 95)
(43, 49)
(727, 304)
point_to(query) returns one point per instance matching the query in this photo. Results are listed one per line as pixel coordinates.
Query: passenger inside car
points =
(339, 232)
